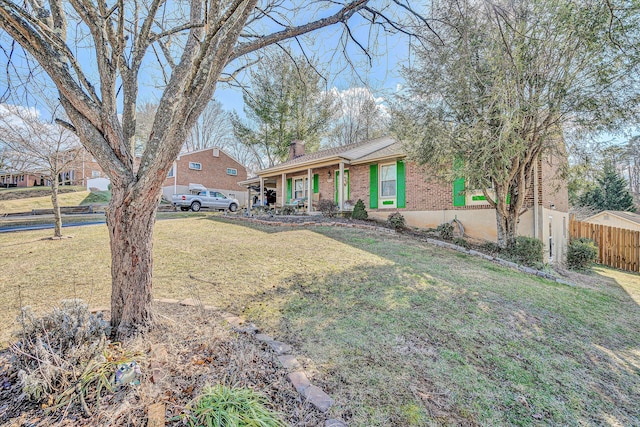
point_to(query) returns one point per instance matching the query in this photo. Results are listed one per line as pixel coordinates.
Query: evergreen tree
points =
(610, 193)
(286, 102)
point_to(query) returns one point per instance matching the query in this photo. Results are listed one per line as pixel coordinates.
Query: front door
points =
(346, 187)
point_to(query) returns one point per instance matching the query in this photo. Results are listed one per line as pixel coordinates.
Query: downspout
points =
(536, 214)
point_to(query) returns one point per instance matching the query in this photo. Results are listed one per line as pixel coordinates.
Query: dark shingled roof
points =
(357, 151)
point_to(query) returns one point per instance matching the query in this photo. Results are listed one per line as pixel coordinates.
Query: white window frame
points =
(232, 171)
(305, 186)
(196, 166)
(95, 174)
(171, 172)
(387, 202)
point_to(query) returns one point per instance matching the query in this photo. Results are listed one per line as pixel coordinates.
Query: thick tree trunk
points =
(57, 218)
(130, 219)
(506, 225)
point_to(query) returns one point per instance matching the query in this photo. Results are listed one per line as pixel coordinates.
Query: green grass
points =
(42, 202)
(401, 333)
(97, 197)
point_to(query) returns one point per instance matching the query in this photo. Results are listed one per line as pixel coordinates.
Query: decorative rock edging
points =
(313, 224)
(440, 243)
(500, 261)
(297, 376)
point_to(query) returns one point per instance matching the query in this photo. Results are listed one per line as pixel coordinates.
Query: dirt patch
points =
(188, 350)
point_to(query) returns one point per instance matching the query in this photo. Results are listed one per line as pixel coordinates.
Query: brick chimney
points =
(296, 149)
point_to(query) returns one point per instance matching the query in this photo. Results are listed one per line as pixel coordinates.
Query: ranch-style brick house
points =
(81, 167)
(209, 168)
(378, 172)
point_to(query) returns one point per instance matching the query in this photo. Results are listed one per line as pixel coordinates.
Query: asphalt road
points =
(29, 227)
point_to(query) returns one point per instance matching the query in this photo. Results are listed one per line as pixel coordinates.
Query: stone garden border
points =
(297, 376)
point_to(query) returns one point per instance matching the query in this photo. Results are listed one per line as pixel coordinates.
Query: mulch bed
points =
(189, 349)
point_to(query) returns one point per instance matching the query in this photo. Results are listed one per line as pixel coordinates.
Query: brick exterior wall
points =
(426, 193)
(82, 168)
(213, 173)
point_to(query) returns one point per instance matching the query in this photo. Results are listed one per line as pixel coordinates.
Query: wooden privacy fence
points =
(617, 247)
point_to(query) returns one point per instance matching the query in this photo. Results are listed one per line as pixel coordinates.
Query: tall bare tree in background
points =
(32, 145)
(194, 42)
(213, 129)
(358, 116)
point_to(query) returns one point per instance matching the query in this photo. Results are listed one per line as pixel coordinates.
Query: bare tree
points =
(32, 145)
(213, 129)
(359, 116)
(194, 41)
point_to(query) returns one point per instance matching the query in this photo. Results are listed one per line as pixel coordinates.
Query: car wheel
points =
(233, 207)
(195, 206)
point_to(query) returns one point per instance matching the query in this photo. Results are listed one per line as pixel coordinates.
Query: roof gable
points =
(629, 216)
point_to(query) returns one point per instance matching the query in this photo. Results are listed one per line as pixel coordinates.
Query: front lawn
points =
(75, 198)
(399, 333)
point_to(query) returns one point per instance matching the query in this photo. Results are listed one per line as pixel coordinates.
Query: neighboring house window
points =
(170, 174)
(232, 171)
(195, 166)
(95, 174)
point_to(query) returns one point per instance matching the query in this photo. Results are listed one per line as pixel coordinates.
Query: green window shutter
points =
(373, 186)
(316, 183)
(458, 184)
(289, 182)
(401, 201)
(458, 192)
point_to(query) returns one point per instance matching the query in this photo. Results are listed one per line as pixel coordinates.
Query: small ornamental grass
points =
(222, 406)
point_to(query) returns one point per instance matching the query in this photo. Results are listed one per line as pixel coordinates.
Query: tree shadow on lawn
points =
(441, 336)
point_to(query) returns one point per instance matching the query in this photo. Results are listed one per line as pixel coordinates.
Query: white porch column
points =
(309, 190)
(249, 204)
(284, 189)
(261, 191)
(175, 178)
(341, 188)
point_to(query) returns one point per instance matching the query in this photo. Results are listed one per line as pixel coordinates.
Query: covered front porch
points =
(302, 187)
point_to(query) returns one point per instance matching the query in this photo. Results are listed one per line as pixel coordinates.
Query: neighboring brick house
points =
(81, 168)
(21, 179)
(377, 172)
(210, 168)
